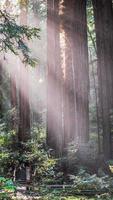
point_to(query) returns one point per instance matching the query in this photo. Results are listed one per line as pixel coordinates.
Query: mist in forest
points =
(30, 81)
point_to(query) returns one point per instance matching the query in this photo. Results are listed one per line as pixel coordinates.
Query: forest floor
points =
(34, 196)
(28, 197)
(21, 196)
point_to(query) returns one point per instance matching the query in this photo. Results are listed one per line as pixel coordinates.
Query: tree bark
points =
(81, 70)
(54, 79)
(66, 18)
(50, 74)
(67, 72)
(24, 107)
(58, 82)
(104, 40)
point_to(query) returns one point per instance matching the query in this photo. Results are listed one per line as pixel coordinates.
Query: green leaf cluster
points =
(15, 38)
(86, 182)
(7, 184)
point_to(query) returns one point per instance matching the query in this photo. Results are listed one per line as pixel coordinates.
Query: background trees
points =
(74, 62)
(74, 70)
(68, 38)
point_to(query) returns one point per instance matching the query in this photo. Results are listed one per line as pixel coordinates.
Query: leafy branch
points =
(14, 37)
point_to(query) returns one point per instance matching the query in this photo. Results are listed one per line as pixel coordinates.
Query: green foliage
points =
(5, 148)
(34, 152)
(14, 37)
(91, 183)
(5, 196)
(6, 187)
(47, 194)
(37, 154)
(82, 155)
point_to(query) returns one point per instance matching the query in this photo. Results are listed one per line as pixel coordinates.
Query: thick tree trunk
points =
(36, 115)
(104, 39)
(81, 69)
(66, 22)
(54, 79)
(68, 79)
(24, 107)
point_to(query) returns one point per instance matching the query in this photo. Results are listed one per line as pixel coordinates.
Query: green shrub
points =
(6, 187)
(86, 182)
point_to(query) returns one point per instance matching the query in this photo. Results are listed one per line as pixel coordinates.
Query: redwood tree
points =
(66, 24)
(24, 107)
(54, 78)
(103, 14)
(81, 69)
(67, 39)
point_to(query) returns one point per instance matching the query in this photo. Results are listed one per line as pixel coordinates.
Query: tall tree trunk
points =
(73, 22)
(58, 81)
(50, 74)
(81, 69)
(24, 107)
(66, 22)
(54, 79)
(73, 67)
(36, 115)
(104, 39)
